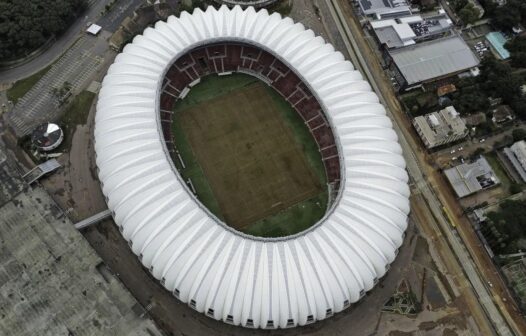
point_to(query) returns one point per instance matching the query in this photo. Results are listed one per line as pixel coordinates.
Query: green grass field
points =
(249, 156)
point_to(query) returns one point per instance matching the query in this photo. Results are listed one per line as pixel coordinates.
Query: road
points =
(503, 317)
(444, 157)
(77, 66)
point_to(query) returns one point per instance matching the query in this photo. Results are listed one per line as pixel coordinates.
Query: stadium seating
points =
(230, 57)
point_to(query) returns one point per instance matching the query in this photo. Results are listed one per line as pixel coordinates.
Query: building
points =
(47, 137)
(497, 41)
(517, 155)
(393, 34)
(246, 3)
(381, 9)
(409, 30)
(431, 60)
(502, 114)
(439, 128)
(239, 279)
(469, 178)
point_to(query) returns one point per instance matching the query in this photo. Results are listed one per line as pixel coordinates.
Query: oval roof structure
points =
(239, 279)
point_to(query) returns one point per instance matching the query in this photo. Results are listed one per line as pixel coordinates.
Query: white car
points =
(453, 151)
(482, 140)
(460, 148)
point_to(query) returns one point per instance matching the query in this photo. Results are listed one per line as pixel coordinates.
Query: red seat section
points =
(228, 57)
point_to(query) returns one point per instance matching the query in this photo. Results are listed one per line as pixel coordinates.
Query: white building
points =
(439, 128)
(469, 178)
(230, 276)
(382, 9)
(517, 155)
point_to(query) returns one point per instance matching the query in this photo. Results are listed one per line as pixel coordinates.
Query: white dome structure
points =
(227, 275)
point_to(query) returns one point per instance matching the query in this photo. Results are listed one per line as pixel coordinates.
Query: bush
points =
(515, 188)
(518, 134)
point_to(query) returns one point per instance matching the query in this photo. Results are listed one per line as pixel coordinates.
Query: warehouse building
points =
(469, 178)
(439, 128)
(430, 61)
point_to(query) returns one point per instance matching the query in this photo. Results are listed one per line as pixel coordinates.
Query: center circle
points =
(249, 139)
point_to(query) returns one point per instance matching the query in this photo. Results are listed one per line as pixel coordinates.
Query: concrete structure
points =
(432, 60)
(51, 281)
(409, 30)
(240, 279)
(517, 155)
(469, 178)
(497, 41)
(379, 9)
(94, 29)
(440, 128)
(394, 34)
(47, 137)
(245, 3)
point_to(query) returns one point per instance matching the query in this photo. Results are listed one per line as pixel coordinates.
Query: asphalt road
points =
(119, 10)
(414, 163)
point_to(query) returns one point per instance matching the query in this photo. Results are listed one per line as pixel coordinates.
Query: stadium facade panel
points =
(239, 279)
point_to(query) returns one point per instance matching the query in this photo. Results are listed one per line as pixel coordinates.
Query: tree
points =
(517, 49)
(26, 25)
(506, 17)
(468, 14)
(519, 106)
(515, 188)
(518, 134)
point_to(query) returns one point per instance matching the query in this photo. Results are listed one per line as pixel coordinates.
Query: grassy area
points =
(76, 114)
(297, 216)
(295, 219)
(193, 170)
(499, 170)
(21, 87)
(212, 87)
(302, 135)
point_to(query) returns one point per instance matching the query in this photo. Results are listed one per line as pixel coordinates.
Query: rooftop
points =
(405, 31)
(497, 41)
(469, 178)
(384, 7)
(440, 127)
(51, 280)
(433, 59)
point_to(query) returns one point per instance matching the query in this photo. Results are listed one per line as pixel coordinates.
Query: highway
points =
(501, 321)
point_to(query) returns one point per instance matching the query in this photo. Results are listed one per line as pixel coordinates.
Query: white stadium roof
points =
(230, 276)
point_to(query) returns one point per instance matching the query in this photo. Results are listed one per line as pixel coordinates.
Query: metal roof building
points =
(469, 178)
(240, 279)
(385, 8)
(433, 59)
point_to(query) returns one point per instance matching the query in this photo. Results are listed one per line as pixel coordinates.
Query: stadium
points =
(242, 279)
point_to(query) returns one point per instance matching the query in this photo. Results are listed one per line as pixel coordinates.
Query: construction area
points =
(243, 147)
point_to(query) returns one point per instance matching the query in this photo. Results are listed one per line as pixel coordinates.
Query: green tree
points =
(26, 25)
(468, 14)
(518, 134)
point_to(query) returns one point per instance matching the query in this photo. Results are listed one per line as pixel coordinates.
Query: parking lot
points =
(75, 67)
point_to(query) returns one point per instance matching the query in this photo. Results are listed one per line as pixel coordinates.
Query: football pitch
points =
(249, 157)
